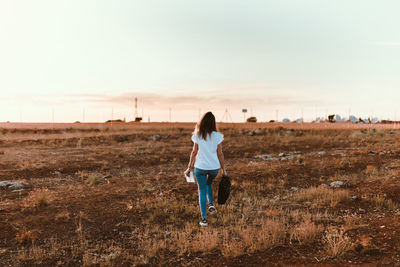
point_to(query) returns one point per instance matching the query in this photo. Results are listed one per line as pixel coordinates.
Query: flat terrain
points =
(96, 195)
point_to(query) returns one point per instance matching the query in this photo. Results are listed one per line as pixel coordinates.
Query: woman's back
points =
(207, 158)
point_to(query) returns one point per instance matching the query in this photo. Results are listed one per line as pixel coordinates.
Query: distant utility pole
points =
(348, 122)
(112, 116)
(136, 112)
(370, 120)
(315, 113)
(52, 116)
(226, 115)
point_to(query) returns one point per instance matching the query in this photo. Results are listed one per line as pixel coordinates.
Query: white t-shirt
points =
(207, 158)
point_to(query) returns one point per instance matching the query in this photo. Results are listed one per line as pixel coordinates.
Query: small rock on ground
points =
(10, 185)
(17, 190)
(155, 137)
(266, 157)
(338, 184)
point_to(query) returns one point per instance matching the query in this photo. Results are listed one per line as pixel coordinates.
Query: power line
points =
(226, 115)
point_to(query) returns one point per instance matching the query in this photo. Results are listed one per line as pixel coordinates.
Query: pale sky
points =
(310, 56)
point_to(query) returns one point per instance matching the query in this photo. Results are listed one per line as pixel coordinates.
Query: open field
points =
(100, 196)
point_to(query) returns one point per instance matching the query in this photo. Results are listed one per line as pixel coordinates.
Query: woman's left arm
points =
(192, 159)
(221, 159)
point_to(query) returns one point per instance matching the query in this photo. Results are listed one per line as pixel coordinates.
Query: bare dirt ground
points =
(96, 195)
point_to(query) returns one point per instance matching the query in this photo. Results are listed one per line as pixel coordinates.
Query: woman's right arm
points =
(221, 158)
(192, 158)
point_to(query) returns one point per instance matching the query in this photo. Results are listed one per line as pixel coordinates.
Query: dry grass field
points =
(96, 195)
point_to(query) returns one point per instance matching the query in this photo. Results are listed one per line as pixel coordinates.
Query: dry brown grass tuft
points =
(264, 234)
(322, 196)
(382, 202)
(82, 174)
(126, 173)
(273, 212)
(38, 255)
(94, 178)
(239, 166)
(337, 243)
(307, 232)
(79, 143)
(270, 233)
(371, 170)
(352, 222)
(206, 240)
(63, 216)
(395, 172)
(25, 236)
(35, 254)
(365, 240)
(79, 230)
(38, 198)
(182, 241)
(233, 248)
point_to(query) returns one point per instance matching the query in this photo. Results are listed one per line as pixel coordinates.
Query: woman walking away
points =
(206, 160)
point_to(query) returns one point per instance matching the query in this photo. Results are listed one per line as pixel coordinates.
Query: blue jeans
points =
(204, 179)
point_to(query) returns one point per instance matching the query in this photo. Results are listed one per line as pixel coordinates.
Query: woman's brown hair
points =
(206, 125)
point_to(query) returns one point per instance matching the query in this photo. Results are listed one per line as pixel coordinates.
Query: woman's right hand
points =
(224, 173)
(187, 172)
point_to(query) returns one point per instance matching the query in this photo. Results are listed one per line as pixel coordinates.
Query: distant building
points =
(114, 121)
(252, 119)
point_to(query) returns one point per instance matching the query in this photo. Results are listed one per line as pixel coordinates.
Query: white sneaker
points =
(203, 222)
(212, 209)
